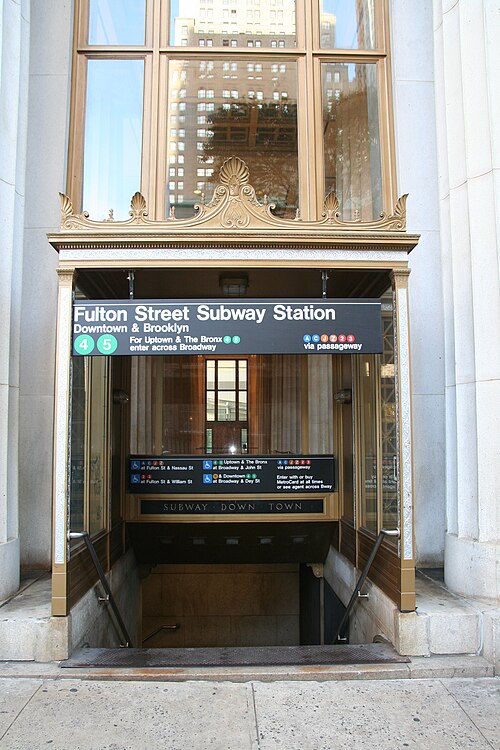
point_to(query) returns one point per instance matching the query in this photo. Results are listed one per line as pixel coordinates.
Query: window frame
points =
(216, 390)
(90, 373)
(308, 56)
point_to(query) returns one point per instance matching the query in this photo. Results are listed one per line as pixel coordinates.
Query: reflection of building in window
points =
(266, 137)
(347, 24)
(328, 21)
(269, 133)
(351, 138)
(261, 124)
(195, 21)
(209, 94)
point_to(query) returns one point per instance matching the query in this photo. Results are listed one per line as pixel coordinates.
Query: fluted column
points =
(468, 102)
(14, 42)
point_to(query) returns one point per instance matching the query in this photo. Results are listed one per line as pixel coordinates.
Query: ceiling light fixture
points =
(233, 284)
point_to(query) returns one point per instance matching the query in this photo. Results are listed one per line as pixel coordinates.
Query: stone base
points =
(443, 624)
(28, 632)
(471, 568)
(9, 568)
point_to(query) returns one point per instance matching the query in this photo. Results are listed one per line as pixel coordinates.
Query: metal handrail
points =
(355, 594)
(104, 582)
(159, 630)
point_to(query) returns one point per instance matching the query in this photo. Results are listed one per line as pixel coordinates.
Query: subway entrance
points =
(222, 582)
(229, 478)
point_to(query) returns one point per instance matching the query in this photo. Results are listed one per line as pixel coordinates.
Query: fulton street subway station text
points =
(156, 327)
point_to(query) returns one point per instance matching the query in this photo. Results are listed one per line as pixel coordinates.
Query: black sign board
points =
(232, 506)
(231, 475)
(215, 327)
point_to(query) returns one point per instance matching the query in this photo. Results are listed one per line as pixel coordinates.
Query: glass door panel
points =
(97, 444)
(368, 441)
(226, 430)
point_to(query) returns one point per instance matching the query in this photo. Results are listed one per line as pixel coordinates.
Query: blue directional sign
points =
(248, 474)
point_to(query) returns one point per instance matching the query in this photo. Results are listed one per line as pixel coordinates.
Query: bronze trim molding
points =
(234, 217)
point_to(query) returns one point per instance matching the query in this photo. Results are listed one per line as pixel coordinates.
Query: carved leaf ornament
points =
(235, 206)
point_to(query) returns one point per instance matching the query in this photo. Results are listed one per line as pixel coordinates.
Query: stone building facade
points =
(443, 105)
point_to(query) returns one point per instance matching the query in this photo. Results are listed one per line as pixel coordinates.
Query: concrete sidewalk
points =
(92, 714)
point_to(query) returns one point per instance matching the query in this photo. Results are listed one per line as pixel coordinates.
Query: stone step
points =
(448, 624)
(440, 667)
(444, 625)
(27, 630)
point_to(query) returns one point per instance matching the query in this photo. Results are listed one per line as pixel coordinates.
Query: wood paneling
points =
(348, 541)
(82, 574)
(386, 569)
(335, 542)
(116, 546)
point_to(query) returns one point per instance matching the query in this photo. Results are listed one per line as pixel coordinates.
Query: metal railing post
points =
(355, 594)
(104, 582)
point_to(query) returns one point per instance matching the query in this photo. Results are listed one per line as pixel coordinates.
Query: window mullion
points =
(74, 179)
(307, 105)
(387, 147)
(149, 131)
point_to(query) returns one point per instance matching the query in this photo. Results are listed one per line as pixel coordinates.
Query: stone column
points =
(417, 174)
(47, 149)
(14, 56)
(467, 56)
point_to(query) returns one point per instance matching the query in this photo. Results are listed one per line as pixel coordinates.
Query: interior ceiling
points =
(203, 283)
(236, 543)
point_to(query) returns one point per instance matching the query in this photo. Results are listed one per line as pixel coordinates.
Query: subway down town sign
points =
(218, 327)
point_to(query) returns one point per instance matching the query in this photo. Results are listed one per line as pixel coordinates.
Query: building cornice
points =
(233, 218)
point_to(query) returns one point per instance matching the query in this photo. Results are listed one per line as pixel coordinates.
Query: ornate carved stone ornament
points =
(234, 206)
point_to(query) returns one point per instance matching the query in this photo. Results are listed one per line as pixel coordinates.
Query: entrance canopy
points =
(323, 401)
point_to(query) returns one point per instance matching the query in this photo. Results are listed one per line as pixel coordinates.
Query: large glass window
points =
(390, 517)
(167, 91)
(89, 479)
(113, 136)
(78, 433)
(352, 154)
(226, 406)
(117, 22)
(377, 432)
(348, 24)
(368, 462)
(218, 108)
(97, 464)
(261, 404)
(227, 23)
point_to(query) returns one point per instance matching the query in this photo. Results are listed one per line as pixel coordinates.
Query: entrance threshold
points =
(255, 656)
